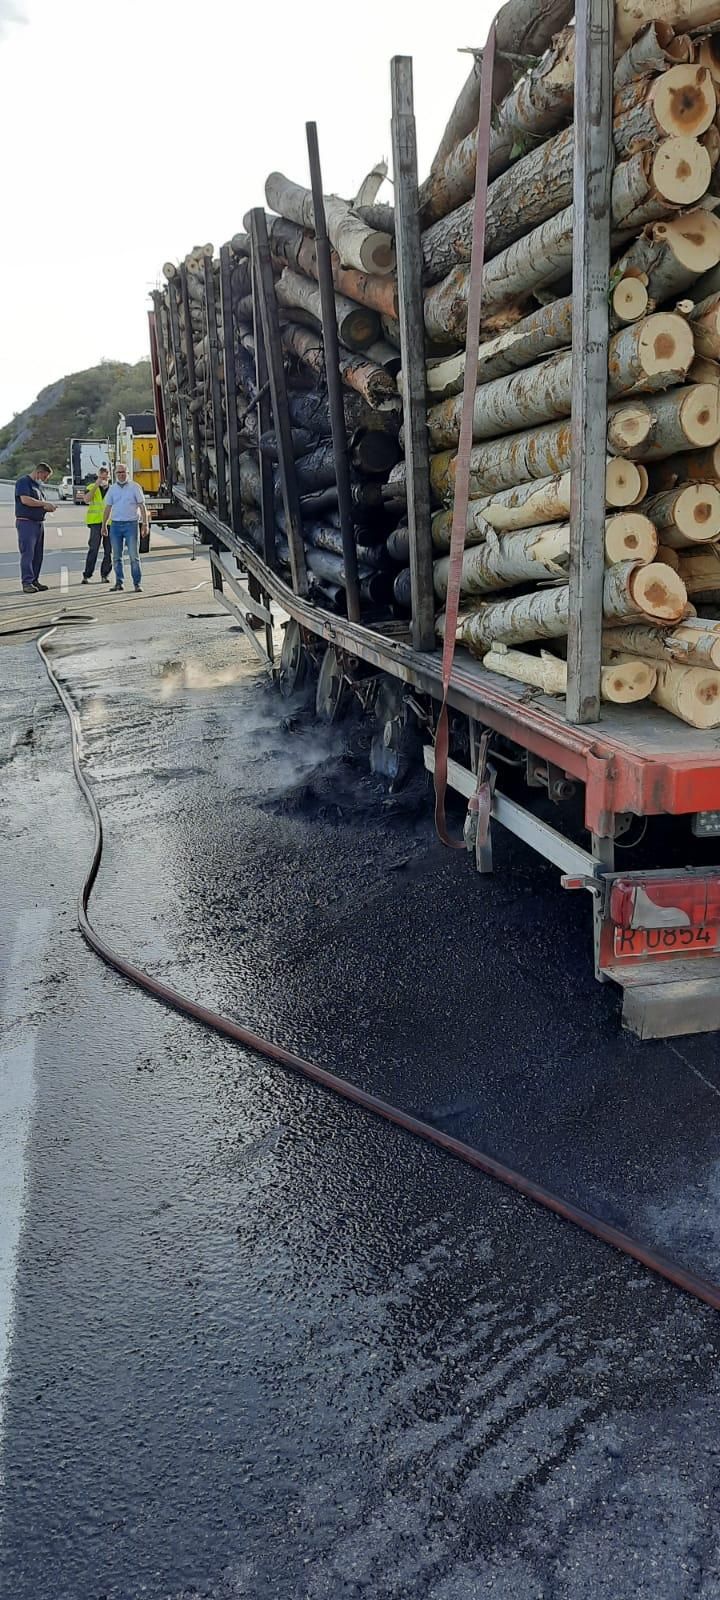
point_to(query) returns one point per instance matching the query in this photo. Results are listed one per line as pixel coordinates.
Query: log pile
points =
(363, 264)
(662, 532)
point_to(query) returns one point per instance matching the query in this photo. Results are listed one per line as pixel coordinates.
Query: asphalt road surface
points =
(252, 1342)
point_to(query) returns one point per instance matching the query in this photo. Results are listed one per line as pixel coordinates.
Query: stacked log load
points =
(366, 311)
(662, 485)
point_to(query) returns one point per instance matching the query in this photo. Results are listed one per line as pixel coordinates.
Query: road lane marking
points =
(17, 1102)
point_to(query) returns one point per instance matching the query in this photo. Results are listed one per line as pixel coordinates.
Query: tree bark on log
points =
(355, 243)
(548, 499)
(681, 101)
(541, 184)
(653, 354)
(540, 102)
(632, 15)
(655, 48)
(375, 385)
(538, 555)
(693, 642)
(542, 333)
(622, 683)
(702, 466)
(669, 256)
(357, 326)
(683, 417)
(705, 320)
(545, 452)
(629, 591)
(687, 515)
(379, 216)
(700, 571)
(290, 244)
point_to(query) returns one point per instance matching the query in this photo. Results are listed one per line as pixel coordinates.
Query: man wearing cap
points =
(93, 498)
(31, 509)
(126, 501)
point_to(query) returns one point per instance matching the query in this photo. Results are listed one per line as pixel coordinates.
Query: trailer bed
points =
(637, 759)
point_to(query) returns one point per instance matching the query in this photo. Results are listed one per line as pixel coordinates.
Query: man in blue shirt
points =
(31, 509)
(126, 501)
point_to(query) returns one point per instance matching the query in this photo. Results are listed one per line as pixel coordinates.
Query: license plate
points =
(636, 943)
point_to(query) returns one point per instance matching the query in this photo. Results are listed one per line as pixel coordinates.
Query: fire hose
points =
(681, 1277)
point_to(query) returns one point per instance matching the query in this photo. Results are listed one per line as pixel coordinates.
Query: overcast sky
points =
(131, 132)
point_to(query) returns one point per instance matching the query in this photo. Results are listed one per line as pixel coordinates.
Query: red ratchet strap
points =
(462, 461)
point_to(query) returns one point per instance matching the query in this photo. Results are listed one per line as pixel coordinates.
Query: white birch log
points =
(687, 515)
(356, 244)
(545, 452)
(644, 187)
(544, 332)
(629, 591)
(632, 15)
(681, 101)
(654, 49)
(653, 354)
(668, 256)
(529, 505)
(357, 326)
(682, 417)
(690, 693)
(540, 102)
(623, 682)
(538, 555)
(694, 642)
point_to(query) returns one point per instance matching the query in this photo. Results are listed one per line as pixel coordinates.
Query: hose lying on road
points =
(691, 1282)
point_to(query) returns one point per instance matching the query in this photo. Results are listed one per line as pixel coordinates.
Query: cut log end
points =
(659, 592)
(627, 680)
(696, 513)
(691, 693)
(629, 299)
(681, 171)
(700, 414)
(625, 482)
(684, 101)
(630, 536)
(664, 344)
(629, 428)
(694, 240)
(378, 253)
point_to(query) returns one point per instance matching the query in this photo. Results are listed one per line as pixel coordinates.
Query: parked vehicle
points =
(65, 488)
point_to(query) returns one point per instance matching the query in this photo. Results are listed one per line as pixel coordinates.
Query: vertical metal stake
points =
(412, 346)
(216, 399)
(334, 382)
(263, 277)
(591, 261)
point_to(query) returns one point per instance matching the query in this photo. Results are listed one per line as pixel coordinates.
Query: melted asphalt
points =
(262, 1345)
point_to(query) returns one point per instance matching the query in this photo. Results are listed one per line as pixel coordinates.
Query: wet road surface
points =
(258, 1344)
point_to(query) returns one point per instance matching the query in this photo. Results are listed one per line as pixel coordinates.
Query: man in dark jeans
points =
(31, 509)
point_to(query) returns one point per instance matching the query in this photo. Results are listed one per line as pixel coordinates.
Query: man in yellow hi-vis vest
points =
(93, 499)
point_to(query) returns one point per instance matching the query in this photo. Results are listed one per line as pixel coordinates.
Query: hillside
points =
(82, 405)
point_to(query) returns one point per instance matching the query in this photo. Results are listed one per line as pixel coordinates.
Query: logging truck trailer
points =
(656, 928)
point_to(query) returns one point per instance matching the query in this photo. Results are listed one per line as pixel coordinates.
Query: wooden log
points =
(540, 185)
(681, 101)
(375, 385)
(682, 417)
(548, 500)
(687, 515)
(628, 591)
(693, 642)
(355, 243)
(623, 682)
(702, 466)
(654, 48)
(542, 333)
(632, 15)
(668, 556)
(653, 354)
(705, 320)
(537, 555)
(629, 301)
(668, 256)
(398, 544)
(690, 693)
(357, 326)
(539, 102)
(545, 452)
(292, 245)
(700, 571)
(379, 216)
